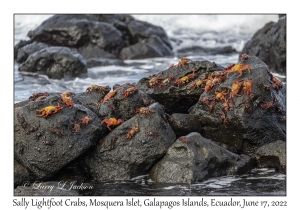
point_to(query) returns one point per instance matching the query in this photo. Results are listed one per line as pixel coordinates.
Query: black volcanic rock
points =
(44, 145)
(269, 44)
(63, 30)
(55, 62)
(246, 121)
(196, 160)
(272, 155)
(118, 157)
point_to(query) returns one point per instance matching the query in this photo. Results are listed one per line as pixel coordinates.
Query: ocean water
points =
(186, 32)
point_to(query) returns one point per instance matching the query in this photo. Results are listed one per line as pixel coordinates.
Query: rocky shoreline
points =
(236, 116)
(193, 121)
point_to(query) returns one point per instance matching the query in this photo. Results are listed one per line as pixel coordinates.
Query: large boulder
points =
(55, 62)
(245, 110)
(44, 145)
(102, 36)
(63, 30)
(269, 44)
(29, 49)
(120, 156)
(193, 158)
(272, 155)
(178, 98)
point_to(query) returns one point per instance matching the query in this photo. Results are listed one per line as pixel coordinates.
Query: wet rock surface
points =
(245, 110)
(123, 102)
(272, 155)
(55, 62)
(193, 158)
(126, 153)
(269, 44)
(63, 30)
(44, 145)
(29, 49)
(91, 97)
(178, 97)
(21, 174)
(183, 124)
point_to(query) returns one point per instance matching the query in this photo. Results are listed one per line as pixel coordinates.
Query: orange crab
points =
(184, 80)
(236, 85)
(68, 101)
(209, 84)
(223, 118)
(216, 79)
(153, 82)
(198, 83)
(183, 61)
(86, 120)
(247, 87)
(111, 122)
(225, 105)
(36, 95)
(205, 100)
(220, 95)
(49, 110)
(76, 127)
(244, 57)
(97, 88)
(144, 110)
(166, 81)
(277, 82)
(129, 91)
(238, 68)
(132, 132)
(66, 94)
(267, 105)
(108, 97)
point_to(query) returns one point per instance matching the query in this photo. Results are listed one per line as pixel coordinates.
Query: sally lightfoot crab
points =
(186, 79)
(237, 68)
(129, 91)
(111, 122)
(86, 120)
(95, 87)
(132, 132)
(144, 110)
(49, 110)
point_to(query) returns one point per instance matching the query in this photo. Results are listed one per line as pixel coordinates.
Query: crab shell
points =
(132, 132)
(129, 91)
(111, 121)
(86, 120)
(68, 101)
(144, 110)
(49, 110)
